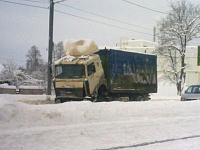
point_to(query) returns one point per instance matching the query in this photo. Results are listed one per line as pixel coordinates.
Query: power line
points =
(105, 17)
(34, 1)
(76, 16)
(144, 7)
(22, 4)
(100, 22)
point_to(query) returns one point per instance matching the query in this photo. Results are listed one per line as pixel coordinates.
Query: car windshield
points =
(193, 89)
(70, 71)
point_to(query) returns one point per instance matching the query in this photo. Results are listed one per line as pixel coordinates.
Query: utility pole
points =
(154, 34)
(51, 13)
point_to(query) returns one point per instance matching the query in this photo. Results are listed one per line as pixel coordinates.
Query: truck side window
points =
(58, 70)
(91, 69)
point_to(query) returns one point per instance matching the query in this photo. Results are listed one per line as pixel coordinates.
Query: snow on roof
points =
(31, 87)
(80, 47)
(69, 58)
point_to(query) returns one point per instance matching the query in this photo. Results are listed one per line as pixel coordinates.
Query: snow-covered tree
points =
(34, 60)
(41, 73)
(8, 71)
(176, 30)
(11, 72)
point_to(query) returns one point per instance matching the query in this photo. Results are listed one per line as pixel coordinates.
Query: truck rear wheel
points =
(140, 98)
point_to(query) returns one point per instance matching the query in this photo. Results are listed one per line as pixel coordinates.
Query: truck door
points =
(92, 77)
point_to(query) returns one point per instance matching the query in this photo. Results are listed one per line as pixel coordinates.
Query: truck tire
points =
(57, 101)
(140, 98)
(131, 98)
(102, 93)
(100, 98)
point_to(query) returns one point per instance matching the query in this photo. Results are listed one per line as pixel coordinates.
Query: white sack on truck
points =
(80, 47)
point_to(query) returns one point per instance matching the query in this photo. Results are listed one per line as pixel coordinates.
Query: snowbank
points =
(166, 91)
(86, 125)
(79, 47)
(5, 85)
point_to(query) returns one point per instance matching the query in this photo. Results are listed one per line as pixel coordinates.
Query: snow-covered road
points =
(84, 125)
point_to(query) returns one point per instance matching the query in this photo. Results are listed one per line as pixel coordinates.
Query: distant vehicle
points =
(192, 93)
(107, 73)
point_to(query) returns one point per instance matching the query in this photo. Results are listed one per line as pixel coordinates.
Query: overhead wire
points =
(100, 22)
(105, 17)
(22, 4)
(36, 6)
(144, 7)
(35, 1)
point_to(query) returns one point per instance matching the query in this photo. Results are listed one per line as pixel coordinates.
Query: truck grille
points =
(76, 92)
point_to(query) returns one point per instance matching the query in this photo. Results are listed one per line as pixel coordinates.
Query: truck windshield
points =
(70, 71)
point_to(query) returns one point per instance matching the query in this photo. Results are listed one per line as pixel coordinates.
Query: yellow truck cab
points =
(78, 78)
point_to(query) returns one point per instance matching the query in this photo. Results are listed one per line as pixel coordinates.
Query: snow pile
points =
(86, 125)
(165, 91)
(79, 47)
(5, 85)
(67, 58)
(31, 87)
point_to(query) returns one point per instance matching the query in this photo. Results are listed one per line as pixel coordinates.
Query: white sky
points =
(22, 27)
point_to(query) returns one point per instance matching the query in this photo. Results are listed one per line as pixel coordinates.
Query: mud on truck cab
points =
(78, 78)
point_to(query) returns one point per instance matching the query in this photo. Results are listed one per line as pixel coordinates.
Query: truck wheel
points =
(57, 101)
(140, 98)
(100, 98)
(131, 98)
(102, 93)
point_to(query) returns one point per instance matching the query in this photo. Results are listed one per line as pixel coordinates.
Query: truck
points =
(106, 75)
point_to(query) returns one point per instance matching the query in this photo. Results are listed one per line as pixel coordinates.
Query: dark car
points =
(192, 93)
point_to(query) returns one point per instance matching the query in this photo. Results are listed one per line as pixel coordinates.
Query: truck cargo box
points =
(129, 72)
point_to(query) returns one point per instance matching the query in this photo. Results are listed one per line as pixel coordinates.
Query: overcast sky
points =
(22, 27)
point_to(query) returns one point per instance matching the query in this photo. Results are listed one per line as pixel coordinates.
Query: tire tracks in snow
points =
(150, 143)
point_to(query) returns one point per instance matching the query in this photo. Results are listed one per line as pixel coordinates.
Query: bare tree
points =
(176, 30)
(58, 51)
(34, 60)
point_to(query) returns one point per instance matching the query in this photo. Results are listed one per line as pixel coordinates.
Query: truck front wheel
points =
(102, 93)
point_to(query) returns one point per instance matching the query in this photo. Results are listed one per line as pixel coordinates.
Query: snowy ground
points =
(159, 124)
